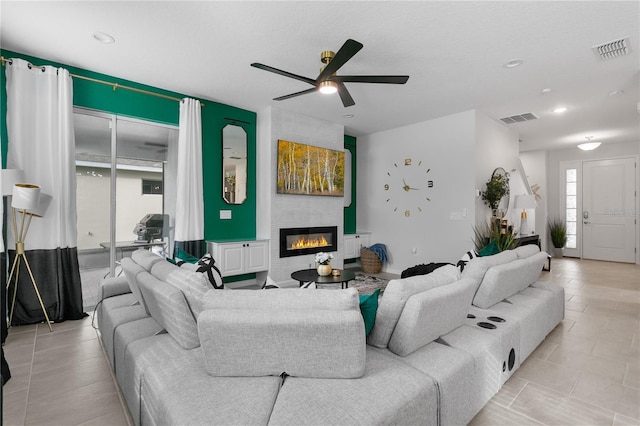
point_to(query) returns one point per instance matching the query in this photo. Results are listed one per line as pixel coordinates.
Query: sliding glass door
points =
(122, 166)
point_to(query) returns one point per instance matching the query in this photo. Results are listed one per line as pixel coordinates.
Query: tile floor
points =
(587, 371)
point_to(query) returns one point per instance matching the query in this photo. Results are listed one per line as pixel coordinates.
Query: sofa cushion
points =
(477, 267)
(505, 280)
(194, 285)
(131, 270)
(396, 295)
(169, 307)
(389, 393)
(145, 258)
(285, 298)
(430, 314)
(526, 250)
(304, 343)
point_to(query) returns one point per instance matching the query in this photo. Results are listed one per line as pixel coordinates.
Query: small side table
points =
(307, 275)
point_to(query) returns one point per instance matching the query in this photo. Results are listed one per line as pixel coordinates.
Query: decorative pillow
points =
(269, 284)
(309, 284)
(466, 258)
(421, 269)
(490, 249)
(368, 309)
(182, 256)
(207, 266)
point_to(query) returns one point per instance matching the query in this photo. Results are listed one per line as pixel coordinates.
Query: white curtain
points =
(189, 223)
(41, 142)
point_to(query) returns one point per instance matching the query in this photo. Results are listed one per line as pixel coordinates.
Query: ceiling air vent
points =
(519, 118)
(613, 49)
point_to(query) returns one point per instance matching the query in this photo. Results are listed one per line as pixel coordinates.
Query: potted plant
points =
(558, 233)
(496, 188)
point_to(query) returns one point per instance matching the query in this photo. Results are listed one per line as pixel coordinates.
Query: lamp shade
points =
(9, 178)
(525, 201)
(43, 206)
(25, 196)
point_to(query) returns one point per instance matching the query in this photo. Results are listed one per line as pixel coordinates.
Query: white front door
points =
(608, 210)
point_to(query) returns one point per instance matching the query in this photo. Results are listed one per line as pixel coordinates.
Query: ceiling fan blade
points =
(383, 79)
(293, 95)
(284, 73)
(345, 96)
(346, 52)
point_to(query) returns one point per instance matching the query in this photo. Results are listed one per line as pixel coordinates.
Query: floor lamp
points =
(25, 200)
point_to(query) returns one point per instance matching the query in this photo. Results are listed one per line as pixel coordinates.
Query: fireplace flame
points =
(303, 243)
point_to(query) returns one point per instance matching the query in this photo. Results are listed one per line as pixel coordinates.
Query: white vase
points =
(324, 270)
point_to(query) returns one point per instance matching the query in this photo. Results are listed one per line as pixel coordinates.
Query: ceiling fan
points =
(328, 81)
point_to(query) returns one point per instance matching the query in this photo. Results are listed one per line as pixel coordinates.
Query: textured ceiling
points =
(453, 51)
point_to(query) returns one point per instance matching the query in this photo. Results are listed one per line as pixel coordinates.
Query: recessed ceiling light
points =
(348, 116)
(104, 38)
(513, 63)
(545, 91)
(560, 110)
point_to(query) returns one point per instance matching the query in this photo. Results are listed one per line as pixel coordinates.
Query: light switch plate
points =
(225, 214)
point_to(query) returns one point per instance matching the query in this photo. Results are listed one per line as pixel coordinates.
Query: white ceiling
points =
(453, 51)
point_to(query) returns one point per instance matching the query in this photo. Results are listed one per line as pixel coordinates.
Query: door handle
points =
(586, 223)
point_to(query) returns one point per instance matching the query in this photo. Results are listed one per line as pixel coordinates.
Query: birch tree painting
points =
(309, 170)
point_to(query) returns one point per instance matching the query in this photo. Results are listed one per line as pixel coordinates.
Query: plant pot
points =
(324, 270)
(558, 252)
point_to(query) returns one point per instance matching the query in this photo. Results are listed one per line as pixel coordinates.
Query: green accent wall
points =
(350, 212)
(215, 116)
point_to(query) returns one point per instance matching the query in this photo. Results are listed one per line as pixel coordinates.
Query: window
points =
(151, 186)
(571, 209)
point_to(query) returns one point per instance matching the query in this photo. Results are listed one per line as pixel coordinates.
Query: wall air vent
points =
(612, 49)
(519, 118)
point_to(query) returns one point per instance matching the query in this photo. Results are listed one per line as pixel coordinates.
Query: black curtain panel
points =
(194, 248)
(57, 275)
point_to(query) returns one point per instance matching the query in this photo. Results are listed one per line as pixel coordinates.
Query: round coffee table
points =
(307, 275)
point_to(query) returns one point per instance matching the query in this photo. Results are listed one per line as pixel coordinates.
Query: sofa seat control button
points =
(504, 367)
(496, 319)
(471, 316)
(487, 325)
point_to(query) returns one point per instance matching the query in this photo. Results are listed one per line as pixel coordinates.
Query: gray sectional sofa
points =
(442, 344)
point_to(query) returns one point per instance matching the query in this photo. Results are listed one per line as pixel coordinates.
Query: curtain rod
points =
(115, 86)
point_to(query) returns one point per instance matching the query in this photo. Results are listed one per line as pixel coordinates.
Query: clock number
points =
(407, 213)
(386, 186)
(430, 184)
(407, 161)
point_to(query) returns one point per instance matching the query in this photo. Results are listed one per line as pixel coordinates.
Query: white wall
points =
(535, 167)
(496, 146)
(292, 211)
(446, 146)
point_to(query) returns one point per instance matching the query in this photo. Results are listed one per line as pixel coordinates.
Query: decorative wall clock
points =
(407, 187)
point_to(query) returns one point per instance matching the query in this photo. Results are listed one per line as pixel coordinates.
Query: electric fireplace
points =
(299, 241)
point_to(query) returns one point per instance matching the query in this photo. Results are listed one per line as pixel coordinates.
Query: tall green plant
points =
(558, 232)
(483, 236)
(496, 188)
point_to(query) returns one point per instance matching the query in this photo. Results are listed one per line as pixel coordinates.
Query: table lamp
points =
(25, 200)
(524, 202)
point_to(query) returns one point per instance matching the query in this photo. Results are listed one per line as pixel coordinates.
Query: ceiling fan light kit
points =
(327, 81)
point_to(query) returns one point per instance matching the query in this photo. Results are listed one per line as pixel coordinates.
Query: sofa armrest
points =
(311, 343)
(113, 286)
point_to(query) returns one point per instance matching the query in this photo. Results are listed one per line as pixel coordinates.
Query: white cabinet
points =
(240, 257)
(353, 243)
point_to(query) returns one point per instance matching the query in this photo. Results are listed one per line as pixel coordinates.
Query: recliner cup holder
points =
(486, 325)
(496, 319)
